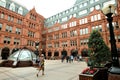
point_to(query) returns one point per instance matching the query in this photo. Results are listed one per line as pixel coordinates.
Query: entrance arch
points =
(84, 53)
(5, 53)
(74, 52)
(56, 53)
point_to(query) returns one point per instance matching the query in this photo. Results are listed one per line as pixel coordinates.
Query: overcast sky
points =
(47, 8)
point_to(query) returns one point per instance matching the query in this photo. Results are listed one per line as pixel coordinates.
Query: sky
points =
(47, 8)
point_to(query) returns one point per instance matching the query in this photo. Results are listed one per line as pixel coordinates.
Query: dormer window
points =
(12, 7)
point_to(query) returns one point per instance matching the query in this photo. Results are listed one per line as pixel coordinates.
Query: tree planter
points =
(101, 73)
(88, 76)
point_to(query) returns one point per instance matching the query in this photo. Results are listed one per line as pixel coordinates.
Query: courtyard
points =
(54, 70)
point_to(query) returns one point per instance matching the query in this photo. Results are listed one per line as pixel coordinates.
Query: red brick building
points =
(73, 34)
(69, 29)
(18, 27)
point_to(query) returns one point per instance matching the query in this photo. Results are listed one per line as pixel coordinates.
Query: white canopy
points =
(22, 55)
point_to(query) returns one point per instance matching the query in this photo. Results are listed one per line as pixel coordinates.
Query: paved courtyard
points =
(54, 70)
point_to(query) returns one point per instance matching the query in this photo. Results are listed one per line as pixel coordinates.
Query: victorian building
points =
(19, 27)
(69, 30)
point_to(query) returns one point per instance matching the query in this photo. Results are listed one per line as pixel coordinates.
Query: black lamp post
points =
(108, 11)
(37, 47)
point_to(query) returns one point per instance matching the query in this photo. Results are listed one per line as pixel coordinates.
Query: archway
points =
(84, 53)
(74, 52)
(49, 54)
(5, 53)
(56, 53)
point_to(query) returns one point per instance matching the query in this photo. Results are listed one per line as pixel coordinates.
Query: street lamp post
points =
(37, 49)
(108, 11)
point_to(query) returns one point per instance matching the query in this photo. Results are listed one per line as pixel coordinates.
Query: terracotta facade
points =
(72, 35)
(18, 31)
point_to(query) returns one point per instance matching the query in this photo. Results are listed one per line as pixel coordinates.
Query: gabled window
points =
(20, 10)
(12, 7)
(3, 3)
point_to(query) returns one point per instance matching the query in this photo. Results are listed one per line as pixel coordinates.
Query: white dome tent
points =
(21, 58)
(22, 55)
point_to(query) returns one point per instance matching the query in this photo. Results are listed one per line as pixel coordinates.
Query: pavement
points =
(54, 70)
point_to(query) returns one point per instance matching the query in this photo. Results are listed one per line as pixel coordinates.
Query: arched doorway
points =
(56, 54)
(49, 54)
(74, 52)
(5, 53)
(84, 53)
(64, 53)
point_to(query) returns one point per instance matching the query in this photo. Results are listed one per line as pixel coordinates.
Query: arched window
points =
(20, 10)
(12, 7)
(3, 3)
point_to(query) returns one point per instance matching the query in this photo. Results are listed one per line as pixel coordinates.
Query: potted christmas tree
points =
(99, 55)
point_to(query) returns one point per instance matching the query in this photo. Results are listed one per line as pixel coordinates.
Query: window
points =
(91, 9)
(56, 29)
(92, 1)
(19, 21)
(73, 33)
(98, 27)
(64, 19)
(32, 16)
(95, 17)
(83, 31)
(50, 37)
(20, 10)
(81, 6)
(49, 45)
(85, 4)
(31, 34)
(56, 44)
(3, 3)
(83, 21)
(2, 15)
(9, 28)
(7, 40)
(50, 30)
(82, 12)
(64, 35)
(71, 9)
(10, 18)
(75, 8)
(84, 42)
(30, 43)
(16, 41)
(71, 16)
(18, 30)
(73, 43)
(72, 24)
(97, 7)
(0, 26)
(64, 44)
(56, 36)
(64, 26)
(109, 2)
(74, 15)
(12, 7)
